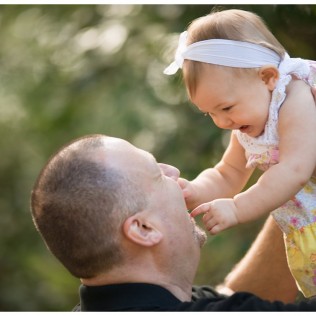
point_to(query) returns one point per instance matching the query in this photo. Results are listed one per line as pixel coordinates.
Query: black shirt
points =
(150, 297)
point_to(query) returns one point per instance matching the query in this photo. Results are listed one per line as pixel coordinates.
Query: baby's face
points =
(234, 99)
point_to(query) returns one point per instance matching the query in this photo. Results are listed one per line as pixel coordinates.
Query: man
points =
(117, 220)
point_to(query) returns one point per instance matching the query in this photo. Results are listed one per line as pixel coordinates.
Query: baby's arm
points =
(297, 157)
(297, 160)
(226, 179)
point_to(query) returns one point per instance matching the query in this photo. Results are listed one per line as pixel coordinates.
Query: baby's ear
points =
(270, 75)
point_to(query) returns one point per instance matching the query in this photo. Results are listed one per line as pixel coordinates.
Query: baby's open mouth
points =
(243, 128)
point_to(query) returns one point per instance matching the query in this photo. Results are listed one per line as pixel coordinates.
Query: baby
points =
(238, 73)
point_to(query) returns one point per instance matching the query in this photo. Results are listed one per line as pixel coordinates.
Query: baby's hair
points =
(231, 24)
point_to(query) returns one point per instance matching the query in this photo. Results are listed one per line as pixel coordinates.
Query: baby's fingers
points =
(211, 223)
(215, 230)
(202, 209)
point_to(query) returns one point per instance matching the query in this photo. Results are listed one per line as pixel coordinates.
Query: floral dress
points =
(297, 217)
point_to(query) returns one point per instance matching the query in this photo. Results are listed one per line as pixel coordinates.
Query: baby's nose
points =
(224, 123)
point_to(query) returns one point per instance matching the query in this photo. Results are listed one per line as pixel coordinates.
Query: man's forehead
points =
(121, 148)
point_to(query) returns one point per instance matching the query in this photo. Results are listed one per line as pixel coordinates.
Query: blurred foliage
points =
(70, 70)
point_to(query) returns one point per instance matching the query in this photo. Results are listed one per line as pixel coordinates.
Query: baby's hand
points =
(189, 193)
(218, 215)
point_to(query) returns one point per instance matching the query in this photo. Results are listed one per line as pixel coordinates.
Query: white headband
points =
(223, 52)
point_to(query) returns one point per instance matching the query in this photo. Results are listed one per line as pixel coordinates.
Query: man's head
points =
(100, 204)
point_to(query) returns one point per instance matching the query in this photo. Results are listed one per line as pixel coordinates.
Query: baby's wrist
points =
(239, 210)
(233, 212)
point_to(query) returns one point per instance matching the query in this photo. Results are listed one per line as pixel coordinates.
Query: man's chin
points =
(199, 234)
(201, 237)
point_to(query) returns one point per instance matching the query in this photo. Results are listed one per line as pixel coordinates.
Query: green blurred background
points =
(70, 70)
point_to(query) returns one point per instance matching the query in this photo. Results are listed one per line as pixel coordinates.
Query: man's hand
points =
(218, 215)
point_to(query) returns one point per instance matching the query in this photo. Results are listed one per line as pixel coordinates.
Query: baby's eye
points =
(227, 108)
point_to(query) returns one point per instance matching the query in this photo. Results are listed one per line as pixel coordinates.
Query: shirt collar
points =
(126, 296)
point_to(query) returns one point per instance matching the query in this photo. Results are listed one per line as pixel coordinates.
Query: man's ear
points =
(270, 75)
(141, 231)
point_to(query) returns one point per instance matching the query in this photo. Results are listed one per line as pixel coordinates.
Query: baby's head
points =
(237, 25)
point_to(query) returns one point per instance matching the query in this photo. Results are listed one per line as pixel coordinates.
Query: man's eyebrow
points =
(155, 162)
(151, 156)
(156, 166)
(153, 159)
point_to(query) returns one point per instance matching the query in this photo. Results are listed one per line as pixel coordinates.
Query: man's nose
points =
(170, 171)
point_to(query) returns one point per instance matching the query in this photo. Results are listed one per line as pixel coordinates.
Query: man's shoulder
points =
(205, 291)
(241, 301)
(77, 308)
(198, 293)
(204, 298)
